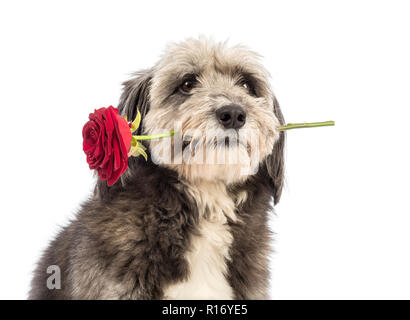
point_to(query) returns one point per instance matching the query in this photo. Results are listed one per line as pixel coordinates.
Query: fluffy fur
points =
(174, 229)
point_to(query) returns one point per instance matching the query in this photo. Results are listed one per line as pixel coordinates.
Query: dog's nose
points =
(231, 116)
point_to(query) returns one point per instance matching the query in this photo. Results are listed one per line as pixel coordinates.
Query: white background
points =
(343, 223)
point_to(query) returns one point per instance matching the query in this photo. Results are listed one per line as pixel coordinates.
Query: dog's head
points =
(219, 102)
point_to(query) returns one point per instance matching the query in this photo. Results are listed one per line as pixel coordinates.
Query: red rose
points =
(107, 140)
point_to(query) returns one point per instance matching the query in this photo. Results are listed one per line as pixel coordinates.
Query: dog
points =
(173, 228)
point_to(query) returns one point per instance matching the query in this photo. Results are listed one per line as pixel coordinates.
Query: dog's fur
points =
(179, 231)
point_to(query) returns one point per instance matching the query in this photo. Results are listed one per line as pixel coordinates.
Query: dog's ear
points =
(136, 95)
(275, 161)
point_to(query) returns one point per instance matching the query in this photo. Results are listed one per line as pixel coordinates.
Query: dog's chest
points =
(208, 253)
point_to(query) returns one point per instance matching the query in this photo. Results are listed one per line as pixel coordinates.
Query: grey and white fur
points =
(180, 230)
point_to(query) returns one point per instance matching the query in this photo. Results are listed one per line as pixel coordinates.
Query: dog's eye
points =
(186, 86)
(247, 85)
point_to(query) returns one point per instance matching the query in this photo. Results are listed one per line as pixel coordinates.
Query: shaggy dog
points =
(172, 227)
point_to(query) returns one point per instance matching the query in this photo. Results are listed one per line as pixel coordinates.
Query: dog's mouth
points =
(214, 142)
(188, 140)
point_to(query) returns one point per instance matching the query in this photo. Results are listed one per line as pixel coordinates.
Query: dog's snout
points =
(231, 116)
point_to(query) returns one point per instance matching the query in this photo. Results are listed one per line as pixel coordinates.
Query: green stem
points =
(154, 136)
(306, 125)
(281, 128)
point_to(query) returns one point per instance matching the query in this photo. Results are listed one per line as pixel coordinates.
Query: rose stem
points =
(306, 125)
(281, 128)
(155, 136)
